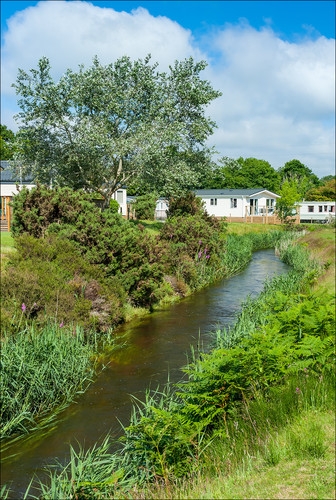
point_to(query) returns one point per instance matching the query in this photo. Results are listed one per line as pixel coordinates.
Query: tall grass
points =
(255, 312)
(238, 251)
(40, 371)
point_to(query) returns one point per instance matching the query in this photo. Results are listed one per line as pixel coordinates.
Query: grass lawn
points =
(244, 228)
(321, 243)
(7, 244)
(7, 240)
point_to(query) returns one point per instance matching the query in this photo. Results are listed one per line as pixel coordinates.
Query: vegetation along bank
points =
(74, 277)
(77, 273)
(253, 418)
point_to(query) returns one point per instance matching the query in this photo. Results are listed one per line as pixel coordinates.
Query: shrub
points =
(144, 206)
(188, 204)
(34, 210)
(114, 206)
(53, 280)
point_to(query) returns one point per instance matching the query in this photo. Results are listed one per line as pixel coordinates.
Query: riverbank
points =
(190, 441)
(295, 460)
(43, 286)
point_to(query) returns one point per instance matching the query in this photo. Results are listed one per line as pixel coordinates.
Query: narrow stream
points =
(155, 346)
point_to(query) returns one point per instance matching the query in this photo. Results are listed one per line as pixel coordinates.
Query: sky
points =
(273, 61)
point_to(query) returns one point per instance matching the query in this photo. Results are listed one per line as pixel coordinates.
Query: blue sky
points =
(291, 19)
(274, 61)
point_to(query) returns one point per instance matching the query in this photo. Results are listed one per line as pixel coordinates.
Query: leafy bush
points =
(189, 204)
(144, 206)
(34, 210)
(51, 278)
(114, 206)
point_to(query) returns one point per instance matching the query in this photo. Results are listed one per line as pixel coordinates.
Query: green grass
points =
(295, 472)
(7, 243)
(6, 239)
(152, 226)
(240, 228)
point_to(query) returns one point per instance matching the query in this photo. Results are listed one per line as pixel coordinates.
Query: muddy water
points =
(154, 347)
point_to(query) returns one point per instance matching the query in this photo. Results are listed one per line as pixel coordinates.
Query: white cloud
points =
(278, 98)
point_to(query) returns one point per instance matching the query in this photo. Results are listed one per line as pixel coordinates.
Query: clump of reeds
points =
(41, 370)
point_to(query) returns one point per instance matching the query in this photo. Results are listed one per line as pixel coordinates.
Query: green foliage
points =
(144, 206)
(300, 175)
(189, 204)
(7, 143)
(157, 444)
(91, 474)
(53, 280)
(195, 242)
(34, 210)
(40, 371)
(325, 192)
(244, 174)
(285, 206)
(114, 206)
(104, 126)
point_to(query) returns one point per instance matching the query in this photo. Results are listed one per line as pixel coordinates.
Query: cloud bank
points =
(278, 99)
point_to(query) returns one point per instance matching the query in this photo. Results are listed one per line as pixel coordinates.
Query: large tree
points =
(244, 173)
(295, 171)
(104, 126)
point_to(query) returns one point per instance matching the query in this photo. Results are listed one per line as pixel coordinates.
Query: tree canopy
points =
(244, 173)
(102, 127)
(7, 140)
(299, 173)
(325, 192)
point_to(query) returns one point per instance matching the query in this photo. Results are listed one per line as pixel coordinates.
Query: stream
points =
(156, 347)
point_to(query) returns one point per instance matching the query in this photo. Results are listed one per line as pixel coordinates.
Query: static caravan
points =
(317, 211)
(238, 203)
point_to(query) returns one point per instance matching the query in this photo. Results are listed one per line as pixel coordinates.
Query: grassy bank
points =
(253, 419)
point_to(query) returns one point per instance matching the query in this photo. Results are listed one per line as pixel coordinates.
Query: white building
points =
(317, 211)
(238, 203)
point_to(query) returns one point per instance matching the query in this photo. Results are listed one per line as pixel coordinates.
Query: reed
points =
(41, 370)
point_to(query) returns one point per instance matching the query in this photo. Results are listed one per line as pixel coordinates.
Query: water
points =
(155, 346)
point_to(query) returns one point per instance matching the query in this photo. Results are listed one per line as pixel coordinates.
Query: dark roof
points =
(231, 192)
(7, 176)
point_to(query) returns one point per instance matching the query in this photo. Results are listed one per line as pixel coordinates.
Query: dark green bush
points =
(53, 280)
(188, 204)
(144, 206)
(34, 210)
